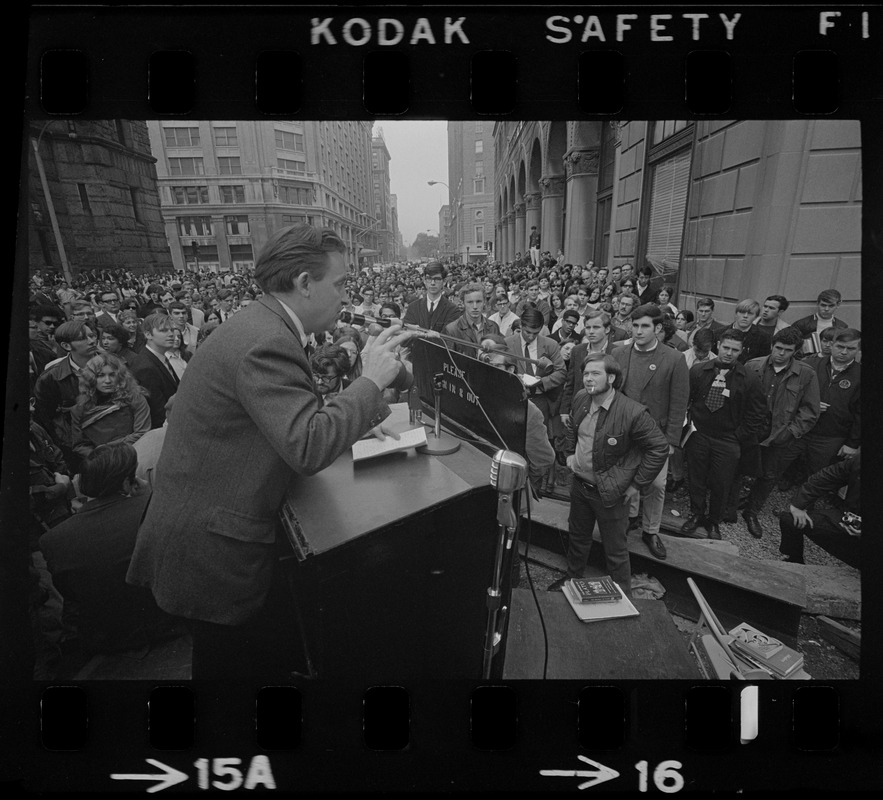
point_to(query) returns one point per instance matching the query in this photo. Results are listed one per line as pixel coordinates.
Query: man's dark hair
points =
(706, 339)
(705, 301)
(105, 469)
(37, 311)
(780, 299)
(611, 366)
(730, 333)
(645, 271)
(788, 336)
(176, 304)
(648, 310)
(599, 313)
(846, 334)
(72, 331)
(118, 332)
(829, 296)
(293, 250)
(532, 318)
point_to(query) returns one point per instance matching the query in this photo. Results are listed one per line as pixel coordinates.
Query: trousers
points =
(586, 509)
(825, 532)
(713, 464)
(653, 500)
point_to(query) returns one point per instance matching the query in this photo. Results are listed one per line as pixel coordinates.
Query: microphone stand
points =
(508, 519)
(438, 443)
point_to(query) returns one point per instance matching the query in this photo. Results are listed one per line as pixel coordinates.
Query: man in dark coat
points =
(619, 451)
(434, 311)
(151, 368)
(472, 325)
(246, 422)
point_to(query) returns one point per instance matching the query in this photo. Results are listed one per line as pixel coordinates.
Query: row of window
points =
(198, 195)
(227, 137)
(227, 165)
(202, 226)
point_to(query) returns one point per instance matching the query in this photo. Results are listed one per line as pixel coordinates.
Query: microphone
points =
(360, 319)
(508, 475)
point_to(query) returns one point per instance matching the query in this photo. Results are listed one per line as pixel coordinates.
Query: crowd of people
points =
(635, 397)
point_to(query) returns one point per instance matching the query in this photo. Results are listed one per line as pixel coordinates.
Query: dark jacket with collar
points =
(746, 399)
(843, 419)
(827, 481)
(795, 406)
(462, 328)
(55, 395)
(444, 313)
(664, 386)
(153, 374)
(628, 446)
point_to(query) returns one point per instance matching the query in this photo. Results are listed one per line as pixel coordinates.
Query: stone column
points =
(520, 237)
(582, 197)
(220, 230)
(504, 239)
(510, 235)
(533, 202)
(498, 241)
(552, 188)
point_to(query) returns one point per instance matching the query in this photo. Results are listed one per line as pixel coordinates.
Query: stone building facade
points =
(470, 182)
(103, 192)
(227, 186)
(725, 209)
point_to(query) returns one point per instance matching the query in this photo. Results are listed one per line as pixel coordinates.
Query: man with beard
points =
(619, 451)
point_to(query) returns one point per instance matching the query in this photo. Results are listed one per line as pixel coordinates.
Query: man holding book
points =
(619, 451)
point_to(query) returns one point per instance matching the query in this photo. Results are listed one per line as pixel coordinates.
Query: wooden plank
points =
(770, 580)
(648, 646)
(841, 637)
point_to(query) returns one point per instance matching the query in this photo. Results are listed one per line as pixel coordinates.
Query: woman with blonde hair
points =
(111, 406)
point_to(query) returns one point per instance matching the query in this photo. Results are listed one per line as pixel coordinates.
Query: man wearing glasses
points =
(504, 316)
(110, 309)
(434, 311)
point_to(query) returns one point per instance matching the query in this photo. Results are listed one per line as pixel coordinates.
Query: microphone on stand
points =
(508, 475)
(360, 319)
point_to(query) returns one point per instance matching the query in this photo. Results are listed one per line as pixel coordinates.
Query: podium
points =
(389, 561)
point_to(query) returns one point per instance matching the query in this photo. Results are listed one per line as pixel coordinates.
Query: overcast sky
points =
(419, 153)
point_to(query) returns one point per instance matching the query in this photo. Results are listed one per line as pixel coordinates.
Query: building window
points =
(84, 198)
(121, 131)
(186, 166)
(181, 137)
(287, 140)
(667, 127)
(232, 194)
(603, 215)
(295, 195)
(479, 127)
(195, 226)
(479, 169)
(236, 226)
(136, 210)
(294, 219)
(479, 146)
(478, 186)
(666, 212)
(241, 256)
(290, 165)
(189, 195)
(226, 137)
(229, 165)
(479, 234)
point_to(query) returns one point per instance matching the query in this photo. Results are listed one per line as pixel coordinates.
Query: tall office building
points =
(226, 187)
(471, 189)
(93, 197)
(383, 211)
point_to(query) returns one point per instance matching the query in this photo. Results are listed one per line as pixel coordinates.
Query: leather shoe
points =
(655, 545)
(556, 586)
(692, 522)
(634, 523)
(753, 523)
(714, 531)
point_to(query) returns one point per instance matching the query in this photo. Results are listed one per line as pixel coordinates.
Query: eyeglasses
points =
(325, 378)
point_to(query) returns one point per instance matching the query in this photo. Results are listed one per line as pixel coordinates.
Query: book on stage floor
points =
(765, 650)
(594, 612)
(594, 590)
(373, 447)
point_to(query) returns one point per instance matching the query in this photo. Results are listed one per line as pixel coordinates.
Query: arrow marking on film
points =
(168, 777)
(598, 775)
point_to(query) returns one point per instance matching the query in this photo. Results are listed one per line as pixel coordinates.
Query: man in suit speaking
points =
(246, 422)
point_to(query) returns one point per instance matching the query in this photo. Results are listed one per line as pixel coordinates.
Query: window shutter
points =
(668, 205)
